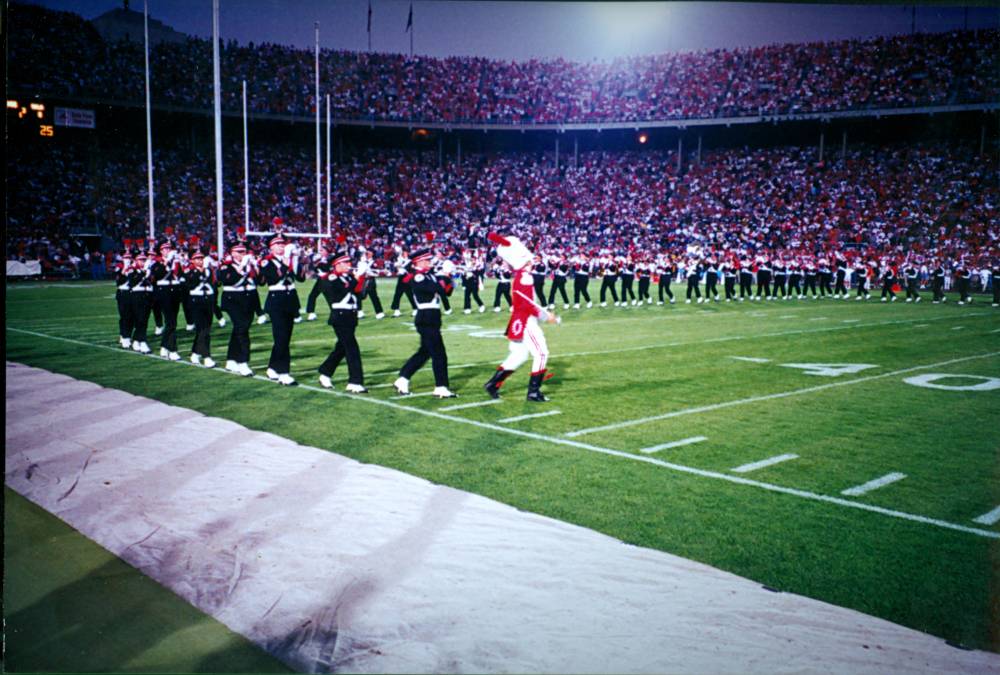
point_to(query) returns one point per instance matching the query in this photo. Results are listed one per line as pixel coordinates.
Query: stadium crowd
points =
(932, 200)
(60, 53)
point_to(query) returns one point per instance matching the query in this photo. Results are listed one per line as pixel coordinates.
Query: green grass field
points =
(917, 547)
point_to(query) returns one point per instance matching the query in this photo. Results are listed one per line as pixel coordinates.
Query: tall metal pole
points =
(699, 149)
(459, 152)
(246, 165)
(680, 152)
(576, 152)
(557, 153)
(149, 128)
(822, 139)
(843, 146)
(217, 97)
(329, 203)
(319, 195)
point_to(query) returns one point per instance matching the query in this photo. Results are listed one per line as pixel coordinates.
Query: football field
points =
(841, 450)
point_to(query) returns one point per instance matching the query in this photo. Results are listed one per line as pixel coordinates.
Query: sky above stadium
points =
(579, 31)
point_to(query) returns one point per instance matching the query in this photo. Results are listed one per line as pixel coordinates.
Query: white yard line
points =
(990, 518)
(509, 420)
(957, 327)
(463, 406)
(422, 393)
(555, 440)
(768, 397)
(875, 484)
(674, 444)
(750, 359)
(753, 466)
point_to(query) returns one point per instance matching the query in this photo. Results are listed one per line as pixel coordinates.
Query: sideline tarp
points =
(31, 268)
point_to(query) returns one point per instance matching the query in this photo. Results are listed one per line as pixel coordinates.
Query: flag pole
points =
(149, 128)
(329, 206)
(319, 195)
(217, 96)
(246, 166)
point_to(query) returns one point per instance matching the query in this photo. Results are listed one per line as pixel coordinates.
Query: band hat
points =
(341, 256)
(422, 254)
(238, 247)
(511, 250)
(276, 238)
(197, 255)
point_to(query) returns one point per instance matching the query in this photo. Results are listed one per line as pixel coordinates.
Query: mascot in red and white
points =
(524, 331)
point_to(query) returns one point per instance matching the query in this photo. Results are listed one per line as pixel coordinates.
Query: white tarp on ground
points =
(330, 564)
(29, 268)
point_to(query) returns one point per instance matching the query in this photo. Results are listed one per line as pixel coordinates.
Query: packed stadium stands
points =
(61, 54)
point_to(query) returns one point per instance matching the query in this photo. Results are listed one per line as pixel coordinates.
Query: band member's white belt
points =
(199, 294)
(282, 287)
(141, 290)
(124, 287)
(429, 305)
(349, 303)
(238, 289)
(166, 282)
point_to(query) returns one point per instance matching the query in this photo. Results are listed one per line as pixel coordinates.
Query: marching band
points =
(165, 280)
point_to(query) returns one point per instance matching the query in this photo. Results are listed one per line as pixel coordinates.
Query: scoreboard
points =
(42, 119)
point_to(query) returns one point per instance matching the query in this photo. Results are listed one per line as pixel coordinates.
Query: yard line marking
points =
(819, 318)
(509, 420)
(555, 440)
(753, 466)
(423, 393)
(851, 320)
(990, 518)
(995, 331)
(750, 359)
(957, 327)
(768, 397)
(380, 386)
(923, 325)
(492, 401)
(859, 490)
(674, 444)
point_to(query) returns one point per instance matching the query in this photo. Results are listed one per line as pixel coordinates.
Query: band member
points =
(321, 268)
(840, 290)
(811, 274)
(524, 334)
(995, 280)
(141, 297)
(168, 274)
(912, 277)
(123, 298)
(344, 292)
(609, 279)
(280, 270)
(825, 278)
(559, 276)
(963, 280)
(471, 276)
(666, 270)
(444, 269)
(581, 280)
(937, 283)
(780, 277)
(711, 280)
(888, 277)
(539, 271)
(693, 271)
(200, 282)
(763, 279)
(628, 277)
(746, 278)
(368, 268)
(729, 279)
(427, 291)
(794, 280)
(861, 273)
(643, 272)
(503, 277)
(402, 264)
(239, 300)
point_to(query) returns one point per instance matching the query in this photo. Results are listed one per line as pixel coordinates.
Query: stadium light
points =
(11, 103)
(38, 107)
(642, 137)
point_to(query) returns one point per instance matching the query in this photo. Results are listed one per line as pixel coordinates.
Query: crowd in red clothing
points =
(59, 53)
(931, 199)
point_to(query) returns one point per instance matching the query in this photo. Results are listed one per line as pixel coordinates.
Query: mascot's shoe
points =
(493, 386)
(535, 387)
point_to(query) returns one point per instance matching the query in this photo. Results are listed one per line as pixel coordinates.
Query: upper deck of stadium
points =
(60, 54)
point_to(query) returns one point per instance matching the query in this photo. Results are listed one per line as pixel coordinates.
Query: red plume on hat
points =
(277, 221)
(429, 236)
(341, 238)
